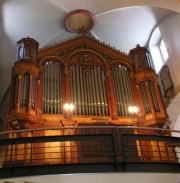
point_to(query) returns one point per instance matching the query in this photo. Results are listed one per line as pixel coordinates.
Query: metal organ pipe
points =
(24, 89)
(73, 90)
(89, 87)
(116, 85)
(154, 98)
(145, 98)
(77, 90)
(104, 94)
(93, 92)
(120, 91)
(52, 94)
(44, 89)
(88, 92)
(101, 92)
(82, 92)
(15, 91)
(97, 91)
(32, 103)
(54, 91)
(124, 96)
(123, 90)
(58, 74)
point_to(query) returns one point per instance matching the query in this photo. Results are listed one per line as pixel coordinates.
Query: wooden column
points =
(111, 96)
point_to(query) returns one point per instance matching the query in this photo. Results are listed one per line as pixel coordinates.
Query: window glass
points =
(163, 50)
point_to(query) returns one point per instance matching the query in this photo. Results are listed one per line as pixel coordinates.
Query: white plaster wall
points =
(170, 30)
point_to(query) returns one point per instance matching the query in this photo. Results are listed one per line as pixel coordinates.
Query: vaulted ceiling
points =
(120, 23)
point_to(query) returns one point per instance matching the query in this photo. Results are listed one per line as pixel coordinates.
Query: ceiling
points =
(120, 23)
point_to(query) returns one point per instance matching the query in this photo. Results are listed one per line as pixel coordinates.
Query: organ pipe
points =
(52, 94)
(145, 98)
(97, 91)
(82, 92)
(88, 91)
(105, 94)
(123, 90)
(89, 87)
(101, 91)
(24, 89)
(154, 98)
(15, 91)
(93, 91)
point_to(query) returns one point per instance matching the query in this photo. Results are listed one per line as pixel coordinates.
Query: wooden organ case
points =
(99, 80)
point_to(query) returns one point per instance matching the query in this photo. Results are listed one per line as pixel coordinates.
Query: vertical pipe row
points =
(117, 91)
(88, 91)
(74, 89)
(95, 112)
(154, 98)
(89, 87)
(55, 87)
(48, 88)
(15, 91)
(129, 91)
(44, 89)
(33, 93)
(123, 90)
(145, 98)
(24, 89)
(97, 91)
(125, 100)
(104, 93)
(52, 93)
(78, 90)
(119, 80)
(82, 92)
(60, 89)
(101, 92)
(58, 74)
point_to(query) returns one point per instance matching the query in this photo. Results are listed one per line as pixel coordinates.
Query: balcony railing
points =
(88, 149)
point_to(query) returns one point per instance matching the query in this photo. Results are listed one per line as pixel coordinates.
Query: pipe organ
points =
(100, 81)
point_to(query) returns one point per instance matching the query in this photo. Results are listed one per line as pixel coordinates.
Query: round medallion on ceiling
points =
(79, 21)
